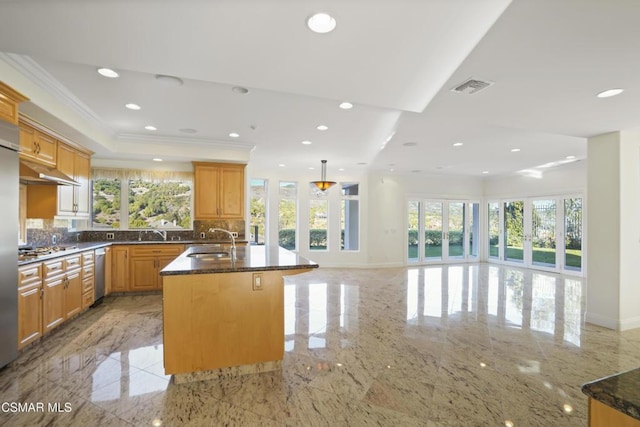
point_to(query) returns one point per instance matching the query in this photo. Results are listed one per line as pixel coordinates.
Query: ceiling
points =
(396, 61)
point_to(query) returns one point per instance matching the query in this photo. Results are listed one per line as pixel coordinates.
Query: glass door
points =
(543, 232)
(513, 231)
(455, 236)
(433, 230)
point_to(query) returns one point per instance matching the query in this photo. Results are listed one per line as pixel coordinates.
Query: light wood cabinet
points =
(146, 263)
(29, 304)
(601, 415)
(219, 190)
(119, 269)
(88, 278)
(73, 200)
(37, 146)
(9, 101)
(53, 295)
(108, 268)
(62, 290)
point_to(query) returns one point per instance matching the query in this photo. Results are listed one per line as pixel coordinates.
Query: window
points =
(106, 203)
(350, 218)
(287, 214)
(153, 199)
(318, 215)
(413, 227)
(494, 229)
(155, 203)
(258, 208)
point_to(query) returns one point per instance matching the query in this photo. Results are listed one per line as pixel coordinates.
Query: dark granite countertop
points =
(249, 258)
(70, 249)
(619, 391)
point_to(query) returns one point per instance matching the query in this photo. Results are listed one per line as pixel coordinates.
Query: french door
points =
(442, 230)
(543, 233)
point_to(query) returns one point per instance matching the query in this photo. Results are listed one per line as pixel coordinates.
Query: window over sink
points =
(152, 199)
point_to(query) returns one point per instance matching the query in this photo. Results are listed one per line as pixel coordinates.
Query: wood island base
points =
(228, 373)
(223, 320)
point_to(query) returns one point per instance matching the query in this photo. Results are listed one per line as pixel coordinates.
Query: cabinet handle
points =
(41, 293)
(29, 273)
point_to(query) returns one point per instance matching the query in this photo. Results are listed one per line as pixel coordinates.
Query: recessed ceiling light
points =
(485, 172)
(311, 168)
(341, 169)
(306, 142)
(458, 144)
(282, 165)
(321, 23)
(361, 164)
(515, 150)
(570, 157)
(239, 89)
(131, 106)
(609, 93)
(157, 159)
(169, 80)
(410, 144)
(322, 127)
(108, 72)
(149, 127)
(234, 135)
(346, 105)
(188, 130)
(415, 170)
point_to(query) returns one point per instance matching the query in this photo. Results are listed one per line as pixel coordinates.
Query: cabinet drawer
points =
(87, 299)
(87, 284)
(53, 268)
(156, 250)
(87, 270)
(72, 262)
(87, 258)
(29, 274)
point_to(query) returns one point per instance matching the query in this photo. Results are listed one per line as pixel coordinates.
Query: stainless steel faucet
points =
(163, 233)
(233, 241)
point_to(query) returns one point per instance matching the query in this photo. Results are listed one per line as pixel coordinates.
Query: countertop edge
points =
(599, 391)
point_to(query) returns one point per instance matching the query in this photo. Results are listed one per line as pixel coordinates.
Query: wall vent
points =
(471, 86)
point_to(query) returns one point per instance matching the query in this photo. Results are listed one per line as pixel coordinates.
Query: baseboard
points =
(615, 324)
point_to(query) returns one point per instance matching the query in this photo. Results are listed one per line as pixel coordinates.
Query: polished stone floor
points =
(456, 345)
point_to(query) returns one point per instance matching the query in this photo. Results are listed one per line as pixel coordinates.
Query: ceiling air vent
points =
(471, 86)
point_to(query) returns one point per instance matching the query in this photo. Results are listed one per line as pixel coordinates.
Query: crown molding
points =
(32, 71)
(172, 140)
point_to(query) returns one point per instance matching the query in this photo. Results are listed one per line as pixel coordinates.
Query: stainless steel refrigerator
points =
(9, 225)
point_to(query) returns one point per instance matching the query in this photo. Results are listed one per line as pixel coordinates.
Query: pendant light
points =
(323, 184)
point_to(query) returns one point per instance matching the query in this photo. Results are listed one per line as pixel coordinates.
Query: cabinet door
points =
(143, 274)
(205, 202)
(29, 314)
(46, 148)
(53, 303)
(120, 269)
(27, 142)
(66, 157)
(108, 268)
(82, 166)
(73, 294)
(231, 195)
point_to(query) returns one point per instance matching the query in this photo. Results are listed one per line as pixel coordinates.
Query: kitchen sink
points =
(218, 255)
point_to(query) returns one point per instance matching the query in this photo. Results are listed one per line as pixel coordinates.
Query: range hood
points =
(34, 173)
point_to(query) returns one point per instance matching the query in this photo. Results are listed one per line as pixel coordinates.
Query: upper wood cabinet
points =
(219, 190)
(37, 146)
(9, 101)
(73, 200)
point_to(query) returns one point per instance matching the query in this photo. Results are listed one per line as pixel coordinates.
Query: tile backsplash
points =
(41, 232)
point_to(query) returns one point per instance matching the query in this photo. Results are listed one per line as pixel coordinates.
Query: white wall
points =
(568, 179)
(613, 288)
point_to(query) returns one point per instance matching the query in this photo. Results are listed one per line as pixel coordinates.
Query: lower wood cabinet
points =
(48, 294)
(119, 277)
(146, 263)
(29, 304)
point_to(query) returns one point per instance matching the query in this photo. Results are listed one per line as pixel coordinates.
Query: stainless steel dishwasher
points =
(99, 276)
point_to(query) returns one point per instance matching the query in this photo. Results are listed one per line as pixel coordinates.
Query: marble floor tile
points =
(437, 346)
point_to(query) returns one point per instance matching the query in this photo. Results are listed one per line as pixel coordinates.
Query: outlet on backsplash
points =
(109, 236)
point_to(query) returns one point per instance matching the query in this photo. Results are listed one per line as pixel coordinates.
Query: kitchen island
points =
(222, 316)
(615, 400)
